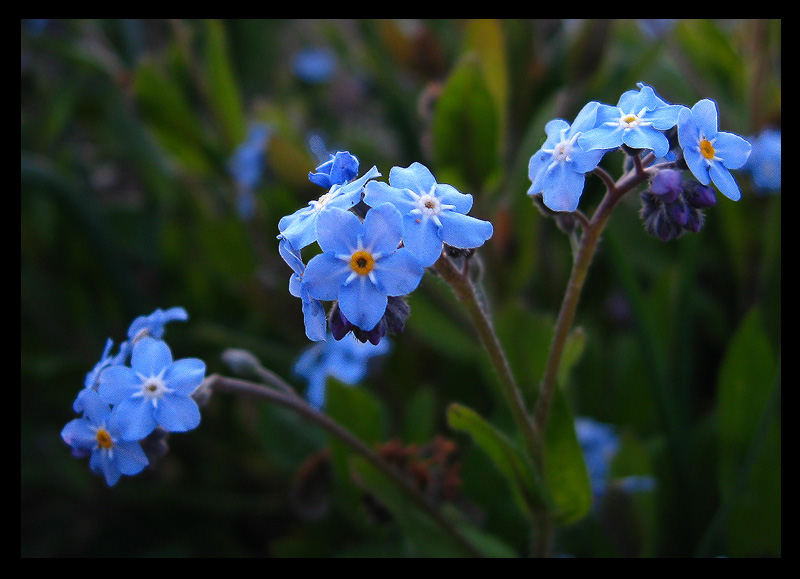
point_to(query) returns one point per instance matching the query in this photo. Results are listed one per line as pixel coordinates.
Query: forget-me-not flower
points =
(764, 162)
(433, 213)
(345, 360)
(558, 170)
(95, 434)
(153, 391)
(153, 325)
(313, 312)
(361, 264)
(341, 168)
(299, 228)
(710, 153)
(637, 121)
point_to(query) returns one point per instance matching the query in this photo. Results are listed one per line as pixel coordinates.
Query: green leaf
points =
(750, 442)
(565, 468)
(465, 129)
(223, 92)
(504, 454)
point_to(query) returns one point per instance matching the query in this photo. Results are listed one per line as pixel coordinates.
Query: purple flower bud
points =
(667, 184)
(699, 196)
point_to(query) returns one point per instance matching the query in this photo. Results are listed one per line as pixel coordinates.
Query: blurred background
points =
(157, 158)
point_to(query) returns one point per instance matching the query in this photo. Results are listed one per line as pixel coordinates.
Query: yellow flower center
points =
(630, 119)
(707, 149)
(362, 262)
(104, 439)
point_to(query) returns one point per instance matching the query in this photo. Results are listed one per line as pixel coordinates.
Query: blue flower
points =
(95, 434)
(313, 312)
(708, 152)
(299, 228)
(346, 360)
(637, 121)
(246, 164)
(341, 168)
(153, 325)
(764, 162)
(433, 213)
(315, 65)
(558, 170)
(361, 264)
(153, 391)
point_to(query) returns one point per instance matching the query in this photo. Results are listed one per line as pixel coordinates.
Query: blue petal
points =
(706, 118)
(298, 228)
(177, 413)
(449, 195)
(398, 274)
(362, 303)
(150, 356)
(724, 181)
(603, 137)
(563, 188)
(645, 137)
(132, 419)
(324, 276)
(314, 320)
(586, 119)
(117, 383)
(464, 231)
(383, 229)
(377, 192)
(732, 149)
(101, 463)
(78, 433)
(185, 375)
(129, 457)
(337, 231)
(421, 237)
(416, 177)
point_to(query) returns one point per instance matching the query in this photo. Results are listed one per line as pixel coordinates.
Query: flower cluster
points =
(641, 122)
(376, 240)
(672, 206)
(132, 399)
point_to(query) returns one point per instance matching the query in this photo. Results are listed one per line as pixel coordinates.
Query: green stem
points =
(290, 400)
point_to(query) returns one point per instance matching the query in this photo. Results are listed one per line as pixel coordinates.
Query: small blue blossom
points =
(361, 264)
(313, 312)
(153, 391)
(299, 228)
(558, 170)
(708, 152)
(153, 325)
(764, 162)
(315, 65)
(637, 121)
(246, 164)
(346, 360)
(341, 168)
(97, 436)
(433, 213)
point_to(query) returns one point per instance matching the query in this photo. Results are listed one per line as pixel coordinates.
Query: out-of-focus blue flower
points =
(341, 168)
(655, 28)
(153, 391)
(764, 162)
(299, 228)
(313, 312)
(95, 434)
(153, 325)
(315, 65)
(600, 444)
(361, 264)
(637, 121)
(558, 170)
(345, 360)
(433, 213)
(246, 164)
(709, 152)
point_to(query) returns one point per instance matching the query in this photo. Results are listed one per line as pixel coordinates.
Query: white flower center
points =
(153, 387)
(630, 120)
(429, 206)
(562, 152)
(323, 201)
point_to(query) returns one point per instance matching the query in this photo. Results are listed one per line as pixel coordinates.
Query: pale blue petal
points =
(464, 231)
(150, 356)
(398, 274)
(664, 118)
(603, 137)
(290, 255)
(586, 120)
(724, 181)
(129, 457)
(117, 383)
(416, 177)
(352, 191)
(563, 188)
(337, 230)
(706, 118)
(314, 320)
(299, 227)
(362, 303)
(185, 375)
(78, 433)
(732, 149)
(449, 195)
(100, 463)
(644, 137)
(132, 419)
(324, 275)
(553, 129)
(421, 237)
(585, 161)
(177, 413)
(383, 229)
(377, 192)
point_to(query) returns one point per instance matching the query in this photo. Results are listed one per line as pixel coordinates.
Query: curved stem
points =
(295, 403)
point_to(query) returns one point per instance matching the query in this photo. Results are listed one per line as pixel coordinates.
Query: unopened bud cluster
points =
(672, 206)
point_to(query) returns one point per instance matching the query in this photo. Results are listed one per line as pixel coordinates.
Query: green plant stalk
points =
(289, 399)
